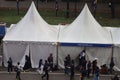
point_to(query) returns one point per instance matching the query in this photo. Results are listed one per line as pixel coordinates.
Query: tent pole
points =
(57, 53)
(112, 51)
(57, 46)
(112, 45)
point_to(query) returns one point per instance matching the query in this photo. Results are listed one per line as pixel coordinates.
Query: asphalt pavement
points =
(52, 76)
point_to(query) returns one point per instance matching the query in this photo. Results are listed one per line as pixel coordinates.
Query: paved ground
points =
(56, 75)
(53, 76)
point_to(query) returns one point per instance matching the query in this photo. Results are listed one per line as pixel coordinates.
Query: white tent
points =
(34, 32)
(85, 32)
(115, 32)
(34, 37)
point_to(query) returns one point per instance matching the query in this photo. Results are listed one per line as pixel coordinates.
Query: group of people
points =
(85, 67)
(44, 68)
(92, 67)
(111, 5)
(17, 68)
(47, 67)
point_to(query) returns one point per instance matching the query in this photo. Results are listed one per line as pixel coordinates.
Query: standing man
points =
(94, 65)
(112, 6)
(66, 66)
(88, 68)
(67, 13)
(68, 58)
(17, 1)
(112, 64)
(50, 61)
(94, 5)
(10, 66)
(56, 7)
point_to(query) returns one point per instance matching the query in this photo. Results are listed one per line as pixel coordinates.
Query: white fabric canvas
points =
(85, 29)
(115, 32)
(30, 31)
(32, 35)
(32, 27)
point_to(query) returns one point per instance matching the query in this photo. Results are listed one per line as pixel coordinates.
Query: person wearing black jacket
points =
(112, 7)
(83, 73)
(10, 66)
(111, 65)
(46, 69)
(88, 68)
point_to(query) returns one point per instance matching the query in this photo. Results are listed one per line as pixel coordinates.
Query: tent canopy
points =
(85, 29)
(32, 27)
(31, 35)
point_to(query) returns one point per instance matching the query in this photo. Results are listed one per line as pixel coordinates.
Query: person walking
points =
(40, 68)
(88, 68)
(18, 71)
(97, 72)
(46, 69)
(112, 64)
(83, 73)
(10, 66)
(40, 63)
(50, 62)
(94, 5)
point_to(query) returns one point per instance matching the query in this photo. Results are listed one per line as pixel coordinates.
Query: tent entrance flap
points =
(86, 44)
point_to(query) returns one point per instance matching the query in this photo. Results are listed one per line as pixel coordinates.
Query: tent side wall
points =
(41, 51)
(15, 50)
(116, 57)
(65, 50)
(37, 50)
(102, 53)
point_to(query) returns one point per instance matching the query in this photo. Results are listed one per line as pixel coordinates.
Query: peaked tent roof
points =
(32, 27)
(85, 29)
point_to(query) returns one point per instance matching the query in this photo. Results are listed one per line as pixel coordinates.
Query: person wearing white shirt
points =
(18, 70)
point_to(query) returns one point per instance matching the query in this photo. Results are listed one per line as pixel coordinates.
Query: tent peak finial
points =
(86, 5)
